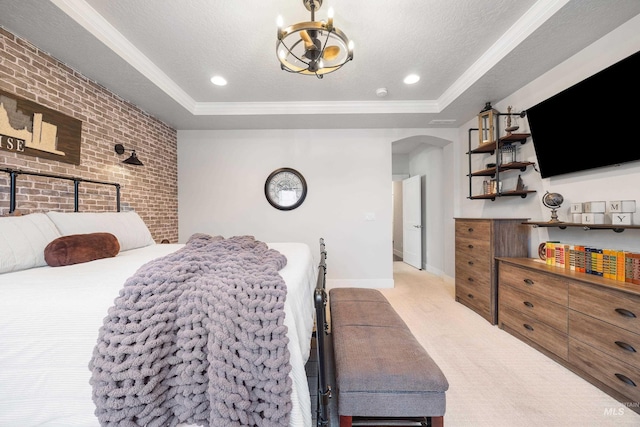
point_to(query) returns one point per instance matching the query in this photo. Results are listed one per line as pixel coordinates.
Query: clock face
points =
(285, 189)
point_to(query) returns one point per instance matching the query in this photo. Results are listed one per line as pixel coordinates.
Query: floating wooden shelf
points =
(522, 166)
(564, 225)
(492, 196)
(490, 147)
(498, 168)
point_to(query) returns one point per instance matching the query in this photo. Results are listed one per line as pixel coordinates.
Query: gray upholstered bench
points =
(382, 371)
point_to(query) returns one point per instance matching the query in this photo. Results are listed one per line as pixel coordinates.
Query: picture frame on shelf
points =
(507, 154)
(495, 187)
(486, 126)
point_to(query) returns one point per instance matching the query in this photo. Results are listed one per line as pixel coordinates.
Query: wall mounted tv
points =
(589, 125)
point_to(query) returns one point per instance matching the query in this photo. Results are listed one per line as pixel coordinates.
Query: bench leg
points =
(346, 420)
(435, 422)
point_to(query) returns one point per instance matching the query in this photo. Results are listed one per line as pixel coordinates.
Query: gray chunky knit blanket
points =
(197, 336)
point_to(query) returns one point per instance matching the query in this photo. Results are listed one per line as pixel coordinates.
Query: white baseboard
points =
(435, 271)
(363, 283)
(378, 283)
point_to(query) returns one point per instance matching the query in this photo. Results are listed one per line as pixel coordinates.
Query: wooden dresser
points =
(589, 324)
(478, 243)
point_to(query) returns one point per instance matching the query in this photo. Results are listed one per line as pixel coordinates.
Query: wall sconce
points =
(133, 158)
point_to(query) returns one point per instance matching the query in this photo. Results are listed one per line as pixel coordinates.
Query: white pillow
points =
(23, 239)
(128, 227)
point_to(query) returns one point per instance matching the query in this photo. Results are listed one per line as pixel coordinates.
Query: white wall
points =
(397, 234)
(221, 191)
(400, 164)
(221, 178)
(610, 183)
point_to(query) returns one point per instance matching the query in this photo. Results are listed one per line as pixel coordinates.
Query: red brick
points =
(107, 119)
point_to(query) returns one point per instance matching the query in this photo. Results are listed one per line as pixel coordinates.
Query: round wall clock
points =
(285, 189)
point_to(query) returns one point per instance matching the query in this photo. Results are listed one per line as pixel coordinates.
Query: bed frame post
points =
(320, 299)
(117, 197)
(12, 196)
(76, 196)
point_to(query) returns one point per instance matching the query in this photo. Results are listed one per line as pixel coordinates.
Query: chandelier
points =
(313, 48)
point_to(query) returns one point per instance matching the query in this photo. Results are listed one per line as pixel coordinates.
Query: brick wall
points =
(151, 190)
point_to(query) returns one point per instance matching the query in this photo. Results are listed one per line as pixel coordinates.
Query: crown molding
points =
(345, 107)
(92, 21)
(533, 19)
(81, 12)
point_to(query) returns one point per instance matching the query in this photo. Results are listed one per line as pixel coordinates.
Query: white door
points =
(412, 221)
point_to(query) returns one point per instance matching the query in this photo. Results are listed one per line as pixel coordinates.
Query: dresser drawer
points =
(478, 242)
(478, 298)
(550, 287)
(615, 307)
(473, 246)
(480, 230)
(535, 330)
(480, 262)
(477, 279)
(621, 377)
(542, 309)
(614, 341)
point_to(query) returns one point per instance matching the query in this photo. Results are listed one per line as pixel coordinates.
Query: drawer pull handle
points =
(528, 282)
(471, 263)
(470, 296)
(623, 345)
(470, 229)
(625, 379)
(624, 312)
(528, 304)
(470, 246)
(528, 327)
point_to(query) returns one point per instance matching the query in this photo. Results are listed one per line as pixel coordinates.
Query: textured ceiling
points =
(160, 55)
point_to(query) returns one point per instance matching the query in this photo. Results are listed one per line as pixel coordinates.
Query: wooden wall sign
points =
(34, 130)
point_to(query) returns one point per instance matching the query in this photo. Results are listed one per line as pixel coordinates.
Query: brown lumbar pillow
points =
(78, 248)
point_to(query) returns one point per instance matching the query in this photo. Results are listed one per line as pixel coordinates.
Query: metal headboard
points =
(13, 173)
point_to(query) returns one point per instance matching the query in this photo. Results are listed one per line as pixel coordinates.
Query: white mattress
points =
(49, 321)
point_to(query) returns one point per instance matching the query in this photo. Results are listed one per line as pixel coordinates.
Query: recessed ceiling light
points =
(218, 81)
(411, 79)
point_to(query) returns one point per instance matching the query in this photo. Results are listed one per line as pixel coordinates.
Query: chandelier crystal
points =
(313, 48)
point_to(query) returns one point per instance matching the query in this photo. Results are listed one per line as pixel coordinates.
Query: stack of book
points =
(614, 264)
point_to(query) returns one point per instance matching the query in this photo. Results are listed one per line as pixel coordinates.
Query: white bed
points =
(49, 322)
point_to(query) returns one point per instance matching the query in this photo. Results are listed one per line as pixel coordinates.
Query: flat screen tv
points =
(590, 124)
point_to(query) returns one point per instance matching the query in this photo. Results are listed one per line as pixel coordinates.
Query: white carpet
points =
(495, 380)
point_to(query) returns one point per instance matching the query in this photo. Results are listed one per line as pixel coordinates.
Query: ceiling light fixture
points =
(411, 79)
(218, 81)
(313, 48)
